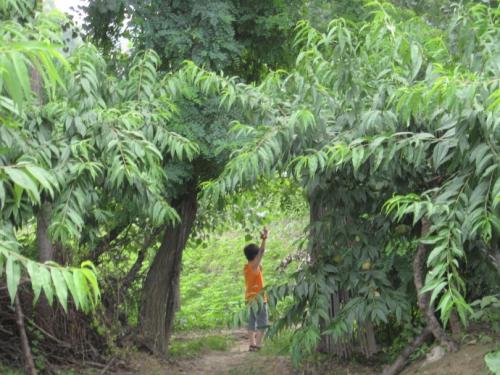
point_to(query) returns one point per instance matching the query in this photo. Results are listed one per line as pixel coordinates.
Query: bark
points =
(44, 312)
(29, 364)
(104, 243)
(44, 245)
(400, 362)
(160, 293)
(455, 327)
(423, 299)
(134, 270)
(367, 339)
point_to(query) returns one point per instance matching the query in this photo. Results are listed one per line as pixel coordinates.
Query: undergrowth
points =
(192, 348)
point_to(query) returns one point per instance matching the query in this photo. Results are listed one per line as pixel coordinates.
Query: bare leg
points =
(259, 336)
(252, 335)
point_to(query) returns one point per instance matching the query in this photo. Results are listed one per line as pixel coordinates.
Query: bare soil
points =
(469, 360)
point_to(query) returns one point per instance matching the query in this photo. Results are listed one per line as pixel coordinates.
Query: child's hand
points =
(264, 234)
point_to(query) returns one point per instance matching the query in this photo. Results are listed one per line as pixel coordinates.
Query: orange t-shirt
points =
(254, 282)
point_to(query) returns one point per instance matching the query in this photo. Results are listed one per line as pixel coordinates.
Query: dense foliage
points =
(27, 157)
(239, 37)
(386, 106)
(387, 115)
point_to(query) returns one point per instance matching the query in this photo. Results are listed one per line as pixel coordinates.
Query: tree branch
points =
(28, 357)
(131, 275)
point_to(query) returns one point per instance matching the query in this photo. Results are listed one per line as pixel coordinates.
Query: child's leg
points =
(252, 335)
(252, 326)
(262, 324)
(258, 337)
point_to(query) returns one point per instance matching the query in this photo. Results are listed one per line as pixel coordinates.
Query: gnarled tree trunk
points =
(160, 293)
(433, 328)
(423, 299)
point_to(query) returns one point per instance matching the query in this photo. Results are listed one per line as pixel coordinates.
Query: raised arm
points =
(258, 259)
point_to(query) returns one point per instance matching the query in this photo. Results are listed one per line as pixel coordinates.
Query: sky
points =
(69, 6)
(66, 5)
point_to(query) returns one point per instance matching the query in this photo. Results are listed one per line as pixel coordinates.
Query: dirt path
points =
(237, 361)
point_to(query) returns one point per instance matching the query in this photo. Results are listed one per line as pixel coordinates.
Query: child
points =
(254, 282)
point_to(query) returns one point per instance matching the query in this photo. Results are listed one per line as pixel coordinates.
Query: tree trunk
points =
(423, 299)
(44, 245)
(160, 293)
(343, 348)
(44, 312)
(456, 330)
(367, 340)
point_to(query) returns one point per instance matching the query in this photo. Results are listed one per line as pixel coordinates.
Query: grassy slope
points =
(212, 285)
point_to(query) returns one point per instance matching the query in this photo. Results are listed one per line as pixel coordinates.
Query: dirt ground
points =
(469, 360)
(238, 361)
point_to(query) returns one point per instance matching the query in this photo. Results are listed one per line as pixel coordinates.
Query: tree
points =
(387, 105)
(237, 37)
(24, 178)
(93, 149)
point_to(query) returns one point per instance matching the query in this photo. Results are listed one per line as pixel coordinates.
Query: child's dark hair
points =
(251, 251)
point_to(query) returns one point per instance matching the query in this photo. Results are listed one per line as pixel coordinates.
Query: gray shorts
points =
(258, 318)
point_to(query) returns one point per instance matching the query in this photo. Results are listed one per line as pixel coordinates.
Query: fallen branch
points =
(103, 371)
(47, 334)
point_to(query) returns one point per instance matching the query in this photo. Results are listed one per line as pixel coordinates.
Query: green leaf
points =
(43, 177)
(437, 290)
(46, 284)
(35, 278)
(440, 153)
(2, 195)
(81, 288)
(92, 281)
(20, 178)
(68, 277)
(416, 60)
(60, 287)
(493, 362)
(13, 274)
(357, 157)
(435, 253)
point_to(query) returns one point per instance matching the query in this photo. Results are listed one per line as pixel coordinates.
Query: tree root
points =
(400, 362)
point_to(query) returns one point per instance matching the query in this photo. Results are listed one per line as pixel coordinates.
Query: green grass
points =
(278, 345)
(212, 284)
(192, 348)
(9, 371)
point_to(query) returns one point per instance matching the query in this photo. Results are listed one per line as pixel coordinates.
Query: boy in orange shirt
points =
(254, 282)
